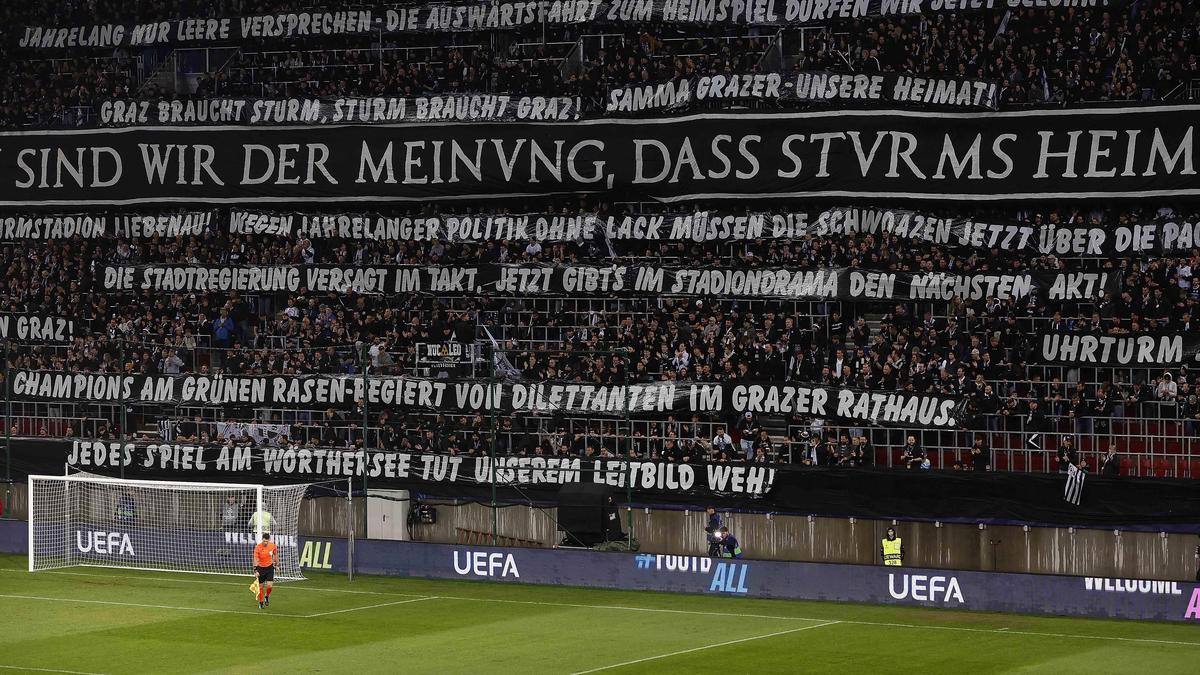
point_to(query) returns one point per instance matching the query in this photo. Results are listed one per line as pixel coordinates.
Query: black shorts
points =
(265, 573)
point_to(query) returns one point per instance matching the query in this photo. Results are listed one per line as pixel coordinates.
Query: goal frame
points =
(78, 478)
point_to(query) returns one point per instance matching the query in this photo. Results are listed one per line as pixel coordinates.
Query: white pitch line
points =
(998, 631)
(383, 604)
(289, 585)
(627, 608)
(49, 670)
(700, 649)
(138, 604)
(1008, 631)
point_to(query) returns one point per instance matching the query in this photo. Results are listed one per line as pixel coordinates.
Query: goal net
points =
(208, 528)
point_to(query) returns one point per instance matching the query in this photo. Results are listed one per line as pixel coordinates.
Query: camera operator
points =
(732, 549)
(712, 532)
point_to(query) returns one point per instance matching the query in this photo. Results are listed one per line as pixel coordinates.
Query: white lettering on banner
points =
(1116, 349)
(743, 479)
(160, 458)
(942, 286)
(286, 540)
(307, 23)
(648, 97)
(36, 328)
(484, 564)
(464, 16)
(311, 557)
(683, 563)
(1077, 285)
(172, 225)
(100, 454)
(66, 386)
(1165, 235)
(249, 222)
(312, 111)
(746, 85)
(777, 282)
(843, 86)
(926, 588)
(167, 278)
(934, 91)
(1143, 586)
(53, 227)
(104, 543)
(898, 408)
(107, 35)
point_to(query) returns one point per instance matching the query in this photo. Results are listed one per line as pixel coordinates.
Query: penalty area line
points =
(712, 646)
(47, 670)
(290, 586)
(359, 609)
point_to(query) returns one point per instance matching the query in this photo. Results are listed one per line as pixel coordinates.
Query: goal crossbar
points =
(89, 478)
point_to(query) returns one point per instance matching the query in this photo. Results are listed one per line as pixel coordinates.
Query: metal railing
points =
(1147, 446)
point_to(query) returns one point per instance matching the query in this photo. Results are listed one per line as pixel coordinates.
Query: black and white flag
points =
(1074, 489)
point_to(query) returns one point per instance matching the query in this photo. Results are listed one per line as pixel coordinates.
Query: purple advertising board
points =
(955, 589)
(982, 591)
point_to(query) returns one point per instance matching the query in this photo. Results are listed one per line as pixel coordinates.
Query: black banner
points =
(844, 283)
(807, 86)
(955, 496)
(45, 227)
(895, 408)
(39, 329)
(1062, 154)
(378, 110)
(1125, 349)
(446, 227)
(430, 17)
(450, 475)
(1161, 236)
(496, 15)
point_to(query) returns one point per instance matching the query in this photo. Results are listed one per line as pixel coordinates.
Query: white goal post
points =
(167, 526)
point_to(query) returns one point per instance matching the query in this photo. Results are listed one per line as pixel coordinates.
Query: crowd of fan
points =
(1040, 56)
(1143, 51)
(977, 350)
(1146, 50)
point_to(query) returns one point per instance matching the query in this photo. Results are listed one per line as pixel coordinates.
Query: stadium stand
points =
(1019, 409)
(1036, 55)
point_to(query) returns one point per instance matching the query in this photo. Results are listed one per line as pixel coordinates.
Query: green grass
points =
(109, 621)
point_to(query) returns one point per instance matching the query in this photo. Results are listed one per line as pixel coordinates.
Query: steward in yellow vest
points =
(892, 549)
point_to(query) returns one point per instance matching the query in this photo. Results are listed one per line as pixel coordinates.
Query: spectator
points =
(721, 442)
(1189, 412)
(1112, 463)
(1167, 389)
(912, 455)
(223, 330)
(231, 514)
(980, 454)
(1066, 454)
(747, 430)
(763, 448)
(171, 364)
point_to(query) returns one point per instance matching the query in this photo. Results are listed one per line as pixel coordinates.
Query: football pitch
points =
(89, 620)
